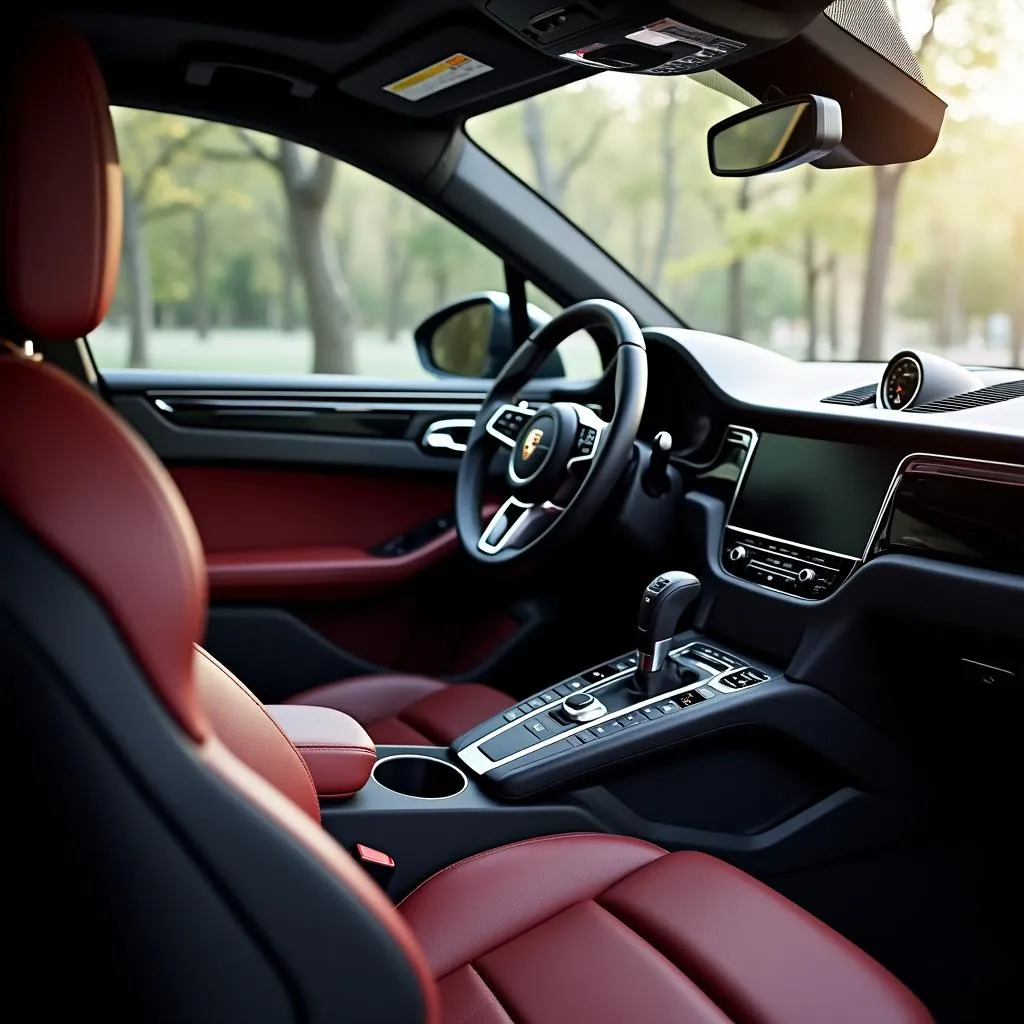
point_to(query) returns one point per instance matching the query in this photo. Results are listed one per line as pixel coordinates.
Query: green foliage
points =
(216, 223)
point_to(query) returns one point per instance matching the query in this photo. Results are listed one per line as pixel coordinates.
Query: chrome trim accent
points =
(509, 442)
(514, 528)
(881, 403)
(991, 668)
(341, 394)
(752, 439)
(972, 471)
(481, 764)
(655, 661)
(436, 436)
(419, 757)
(182, 403)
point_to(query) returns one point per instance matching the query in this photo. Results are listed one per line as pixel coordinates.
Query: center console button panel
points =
(546, 730)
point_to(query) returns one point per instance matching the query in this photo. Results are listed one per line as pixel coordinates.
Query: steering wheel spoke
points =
(506, 422)
(516, 524)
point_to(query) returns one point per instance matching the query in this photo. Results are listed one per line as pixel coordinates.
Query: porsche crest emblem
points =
(533, 438)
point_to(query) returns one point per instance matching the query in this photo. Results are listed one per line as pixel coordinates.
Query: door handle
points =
(448, 435)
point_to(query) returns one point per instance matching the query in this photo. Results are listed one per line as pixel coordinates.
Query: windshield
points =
(842, 264)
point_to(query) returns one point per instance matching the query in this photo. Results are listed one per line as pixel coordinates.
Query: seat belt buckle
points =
(378, 865)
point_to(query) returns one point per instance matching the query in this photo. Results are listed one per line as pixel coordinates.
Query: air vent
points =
(858, 396)
(972, 399)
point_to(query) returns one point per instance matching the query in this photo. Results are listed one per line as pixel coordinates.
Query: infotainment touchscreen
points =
(823, 494)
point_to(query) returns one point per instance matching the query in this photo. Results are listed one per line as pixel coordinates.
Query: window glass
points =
(248, 254)
(854, 263)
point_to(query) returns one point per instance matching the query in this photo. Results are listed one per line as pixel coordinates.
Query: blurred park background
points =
(248, 254)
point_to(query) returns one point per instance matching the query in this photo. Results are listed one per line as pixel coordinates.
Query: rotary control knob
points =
(806, 575)
(738, 553)
(583, 707)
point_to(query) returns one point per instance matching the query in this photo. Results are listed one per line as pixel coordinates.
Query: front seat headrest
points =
(62, 190)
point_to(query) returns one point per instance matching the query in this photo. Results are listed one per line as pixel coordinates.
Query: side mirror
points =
(775, 136)
(474, 337)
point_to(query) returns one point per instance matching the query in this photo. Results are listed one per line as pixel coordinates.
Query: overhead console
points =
(652, 37)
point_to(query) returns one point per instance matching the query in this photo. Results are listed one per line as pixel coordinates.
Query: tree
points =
(980, 20)
(552, 177)
(151, 145)
(668, 187)
(306, 183)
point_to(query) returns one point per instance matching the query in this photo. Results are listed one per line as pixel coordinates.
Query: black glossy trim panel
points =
(285, 415)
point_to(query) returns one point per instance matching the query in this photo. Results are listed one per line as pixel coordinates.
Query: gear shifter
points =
(663, 604)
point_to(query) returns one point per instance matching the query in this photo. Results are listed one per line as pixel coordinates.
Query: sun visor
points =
(451, 68)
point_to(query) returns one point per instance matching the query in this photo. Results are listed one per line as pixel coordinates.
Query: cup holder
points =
(425, 778)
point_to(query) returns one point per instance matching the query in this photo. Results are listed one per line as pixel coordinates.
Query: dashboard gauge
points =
(901, 383)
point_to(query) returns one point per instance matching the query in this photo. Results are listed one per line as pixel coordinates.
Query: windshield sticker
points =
(437, 77)
(668, 30)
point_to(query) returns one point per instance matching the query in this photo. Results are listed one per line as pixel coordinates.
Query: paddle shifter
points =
(665, 601)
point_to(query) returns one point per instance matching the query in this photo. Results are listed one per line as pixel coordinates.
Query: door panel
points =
(327, 514)
(273, 533)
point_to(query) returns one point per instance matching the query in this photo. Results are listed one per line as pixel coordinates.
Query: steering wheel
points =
(563, 459)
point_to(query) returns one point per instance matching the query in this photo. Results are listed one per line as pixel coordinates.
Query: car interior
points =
(683, 692)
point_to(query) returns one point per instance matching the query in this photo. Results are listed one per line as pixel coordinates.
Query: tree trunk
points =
(735, 322)
(439, 276)
(397, 264)
(201, 309)
(876, 277)
(668, 190)
(328, 302)
(289, 310)
(140, 283)
(834, 318)
(537, 143)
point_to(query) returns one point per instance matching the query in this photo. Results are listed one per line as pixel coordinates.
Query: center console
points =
(626, 707)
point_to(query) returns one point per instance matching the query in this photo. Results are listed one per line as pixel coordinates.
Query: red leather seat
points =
(207, 885)
(409, 710)
(607, 929)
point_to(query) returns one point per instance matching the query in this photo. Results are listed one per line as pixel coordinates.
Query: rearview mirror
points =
(474, 337)
(775, 136)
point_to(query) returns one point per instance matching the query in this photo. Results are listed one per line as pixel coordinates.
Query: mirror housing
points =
(775, 136)
(474, 337)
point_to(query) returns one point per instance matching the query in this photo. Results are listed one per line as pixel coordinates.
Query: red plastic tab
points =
(369, 855)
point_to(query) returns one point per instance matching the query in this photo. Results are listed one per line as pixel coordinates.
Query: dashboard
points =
(838, 465)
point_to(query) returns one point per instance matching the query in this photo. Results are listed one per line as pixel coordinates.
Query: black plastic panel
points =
(286, 416)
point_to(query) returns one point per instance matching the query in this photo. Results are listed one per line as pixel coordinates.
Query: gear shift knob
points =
(664, 602)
